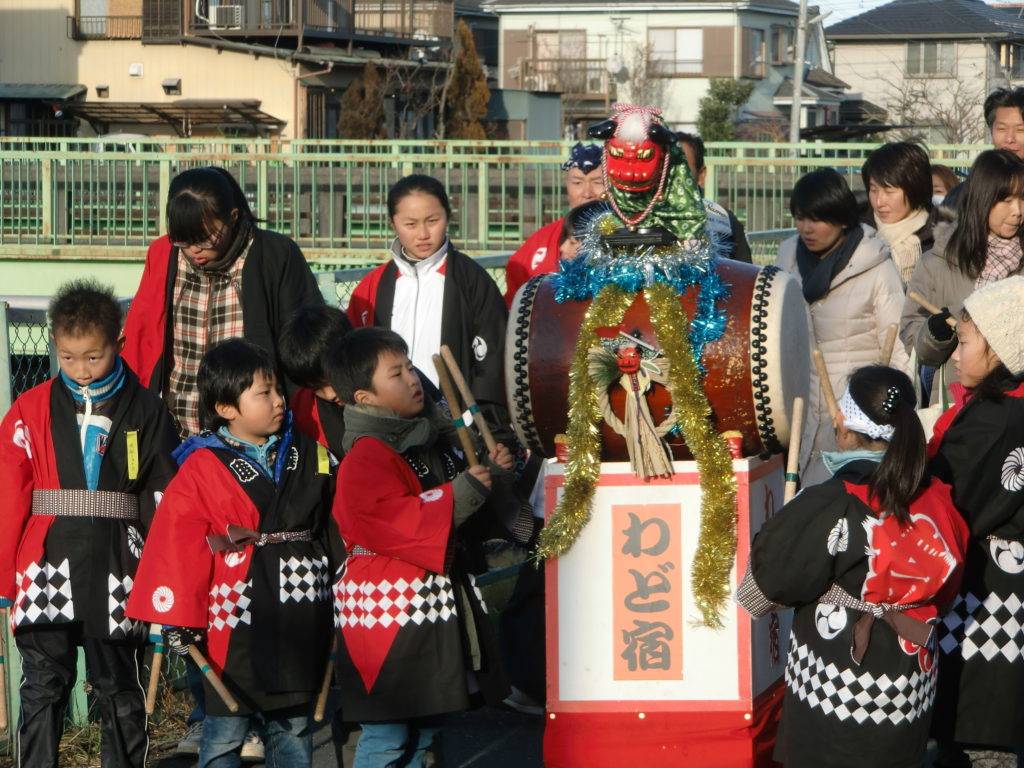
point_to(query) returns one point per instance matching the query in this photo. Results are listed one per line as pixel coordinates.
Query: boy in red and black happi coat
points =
(240, 554)
(415, 637)
(83, 460)
(868, 560)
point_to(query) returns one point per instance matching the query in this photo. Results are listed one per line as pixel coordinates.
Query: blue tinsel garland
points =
(680, 265)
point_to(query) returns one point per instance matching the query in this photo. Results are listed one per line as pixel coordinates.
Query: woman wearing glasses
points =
(215, 275)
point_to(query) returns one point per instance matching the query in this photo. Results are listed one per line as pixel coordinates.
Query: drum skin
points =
(754, 371)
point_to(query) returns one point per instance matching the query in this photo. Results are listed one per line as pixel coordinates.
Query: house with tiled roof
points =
(663, 52)
(930, 63)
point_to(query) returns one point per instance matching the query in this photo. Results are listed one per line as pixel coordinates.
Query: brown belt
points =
(239, 537)
(907, 627)
(71, 502)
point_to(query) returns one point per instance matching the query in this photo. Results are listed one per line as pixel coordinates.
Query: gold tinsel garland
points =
(716, 547)
(584, 466)
(717, 544)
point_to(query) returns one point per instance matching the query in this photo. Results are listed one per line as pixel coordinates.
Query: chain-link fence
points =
(25, 345)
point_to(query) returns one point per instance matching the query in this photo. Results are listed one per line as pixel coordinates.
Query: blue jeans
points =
(194, 678)
(399, 744)
(287, 739)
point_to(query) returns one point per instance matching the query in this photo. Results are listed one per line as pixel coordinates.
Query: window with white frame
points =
(1011, 59)
(675, 51)
(936, 58)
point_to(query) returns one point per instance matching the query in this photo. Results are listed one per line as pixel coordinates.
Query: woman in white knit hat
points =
(978, 448)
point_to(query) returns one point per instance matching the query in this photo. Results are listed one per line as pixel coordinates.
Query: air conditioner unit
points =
(226, 17)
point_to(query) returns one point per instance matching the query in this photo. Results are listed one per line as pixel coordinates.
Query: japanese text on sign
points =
(647, 581)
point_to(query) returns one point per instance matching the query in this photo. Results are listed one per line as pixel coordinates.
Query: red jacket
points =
(537, 256)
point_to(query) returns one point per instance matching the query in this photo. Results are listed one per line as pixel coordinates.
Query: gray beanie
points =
(997, 309)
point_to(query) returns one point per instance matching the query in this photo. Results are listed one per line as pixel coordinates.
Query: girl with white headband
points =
(866, 559)
(978, 448)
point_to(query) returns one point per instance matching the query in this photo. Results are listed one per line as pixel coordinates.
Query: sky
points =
(844, 9)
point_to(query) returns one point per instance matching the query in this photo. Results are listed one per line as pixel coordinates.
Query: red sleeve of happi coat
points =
(146, 323)
(364, 298)
(305, 415)
(16, 480)
(172, 583)
(379, 506)
(538, 254)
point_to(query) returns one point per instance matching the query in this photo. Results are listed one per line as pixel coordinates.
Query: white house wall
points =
(682, 93)
(35, 48)
(878, 71)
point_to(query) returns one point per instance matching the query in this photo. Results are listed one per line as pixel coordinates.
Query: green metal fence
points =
(65, 198)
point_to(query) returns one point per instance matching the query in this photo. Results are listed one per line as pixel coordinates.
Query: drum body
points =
(753, 372)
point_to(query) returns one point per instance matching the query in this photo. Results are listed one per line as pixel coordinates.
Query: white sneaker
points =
(252, 748)
(522, 702)
(189, 744)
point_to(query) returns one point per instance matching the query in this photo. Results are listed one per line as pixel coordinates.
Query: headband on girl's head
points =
(857, 421)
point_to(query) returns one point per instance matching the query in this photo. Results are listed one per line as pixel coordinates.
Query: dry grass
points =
(80, 746)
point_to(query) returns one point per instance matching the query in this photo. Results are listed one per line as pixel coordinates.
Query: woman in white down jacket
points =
(853, 293)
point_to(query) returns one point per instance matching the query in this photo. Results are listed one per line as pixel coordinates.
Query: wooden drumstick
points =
(793, 462)
(453, 406)
(325, 686)
(3, 670)
(890, 344)
(211, 677)
(929, 307)
(467, 396)
(157, 639)
(826, 384)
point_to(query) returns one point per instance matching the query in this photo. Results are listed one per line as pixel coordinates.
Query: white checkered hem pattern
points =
(44, 594)
(478, 593)
(229, 605)
(990, 627)
(117, 600)
(857, 695)
(368, 604)
(303, 578)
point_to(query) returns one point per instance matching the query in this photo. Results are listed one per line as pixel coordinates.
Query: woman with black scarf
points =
(853, 293)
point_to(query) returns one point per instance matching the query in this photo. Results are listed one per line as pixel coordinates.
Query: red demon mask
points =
(636, 143)
(628, 359)
(634, 167)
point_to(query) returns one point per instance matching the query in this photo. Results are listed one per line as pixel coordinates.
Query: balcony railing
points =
(408, 19)
(105, 27)
(577, 78)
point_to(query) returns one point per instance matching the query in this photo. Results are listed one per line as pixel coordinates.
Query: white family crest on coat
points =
(432, 495)
(830, 620)
(134, 542)
(244, 471)
(21, 437)
(1008, 555)
(293, 459)
(1012, 475)
(479, 348)
(163, 599)
(234, 559)
(838, 537)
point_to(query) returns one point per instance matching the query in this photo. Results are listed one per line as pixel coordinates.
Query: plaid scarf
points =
(207, 311)
(1003, 259)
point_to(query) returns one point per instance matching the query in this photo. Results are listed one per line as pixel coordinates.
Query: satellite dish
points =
(614, 65)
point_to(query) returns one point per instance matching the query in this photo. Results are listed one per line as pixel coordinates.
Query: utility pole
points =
(798, 74)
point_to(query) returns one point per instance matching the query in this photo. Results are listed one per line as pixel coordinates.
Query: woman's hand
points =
(501, 457)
